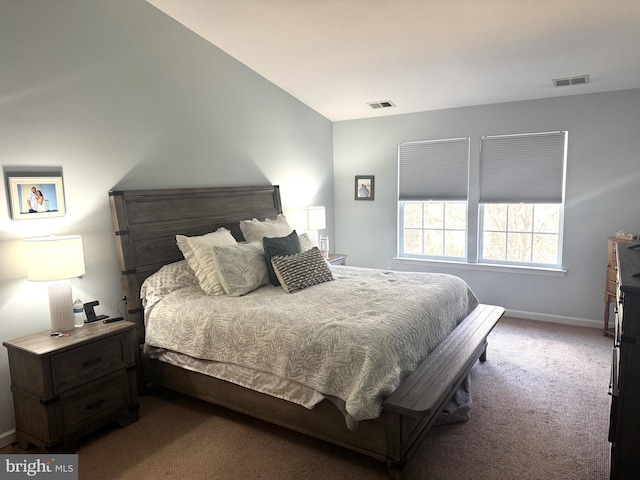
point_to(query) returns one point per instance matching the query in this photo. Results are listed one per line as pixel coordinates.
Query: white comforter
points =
(355, 338)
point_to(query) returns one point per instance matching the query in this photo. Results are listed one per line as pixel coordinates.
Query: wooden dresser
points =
(610, 284)
(624, 421)
(65, 387)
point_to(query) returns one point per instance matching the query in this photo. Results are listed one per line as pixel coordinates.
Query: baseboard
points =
(7, 438)
(578, 322)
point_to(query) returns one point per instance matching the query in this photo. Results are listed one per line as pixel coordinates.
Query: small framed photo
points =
(364, 187)
(36, 197)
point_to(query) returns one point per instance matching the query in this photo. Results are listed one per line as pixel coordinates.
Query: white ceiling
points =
(337, 55)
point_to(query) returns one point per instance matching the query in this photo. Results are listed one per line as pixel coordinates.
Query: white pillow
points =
(255, 230)
(169, 278)
(305, 242)
(198, 252)
(241, 268)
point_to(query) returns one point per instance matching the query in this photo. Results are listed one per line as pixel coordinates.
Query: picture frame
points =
(48, 201)
(364, 187)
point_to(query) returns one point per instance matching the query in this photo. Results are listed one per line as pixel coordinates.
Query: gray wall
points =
(117, 95)
(603, 174)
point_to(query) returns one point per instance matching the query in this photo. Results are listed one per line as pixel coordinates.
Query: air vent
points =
(383, 104)
(566, 82)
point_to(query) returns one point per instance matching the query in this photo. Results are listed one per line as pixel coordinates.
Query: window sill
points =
(487, 267)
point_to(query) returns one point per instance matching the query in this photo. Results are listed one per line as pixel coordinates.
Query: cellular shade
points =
(433, 170)
(522, 168)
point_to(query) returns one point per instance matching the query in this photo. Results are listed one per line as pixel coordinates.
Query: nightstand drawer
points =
(88, 406)
(87, 363)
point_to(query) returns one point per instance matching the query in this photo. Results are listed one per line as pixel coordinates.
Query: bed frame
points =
(145, 224)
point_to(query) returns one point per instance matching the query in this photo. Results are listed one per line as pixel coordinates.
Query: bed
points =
(146, 223)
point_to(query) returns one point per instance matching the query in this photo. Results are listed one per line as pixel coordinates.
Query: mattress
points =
(354, 338)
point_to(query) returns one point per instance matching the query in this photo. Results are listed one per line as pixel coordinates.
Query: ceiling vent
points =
(566, 82)
(383, 104)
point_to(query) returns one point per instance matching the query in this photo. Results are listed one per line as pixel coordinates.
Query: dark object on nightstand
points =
(91, 313)
(65, 387)
(111, 320)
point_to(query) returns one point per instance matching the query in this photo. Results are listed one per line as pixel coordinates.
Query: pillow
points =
(198, 252)
(241, 267)
(169, 278)
(279, 246)
(302, 270)
(255, 230)
(305, 242)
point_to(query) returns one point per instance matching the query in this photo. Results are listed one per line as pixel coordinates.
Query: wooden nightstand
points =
(66, 387)
(337, 259)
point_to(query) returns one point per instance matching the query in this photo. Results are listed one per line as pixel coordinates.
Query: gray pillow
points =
(278, 247)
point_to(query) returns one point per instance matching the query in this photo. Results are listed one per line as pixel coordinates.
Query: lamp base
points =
(61, 306)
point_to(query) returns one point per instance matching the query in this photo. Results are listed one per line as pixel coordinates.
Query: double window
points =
(517, 190)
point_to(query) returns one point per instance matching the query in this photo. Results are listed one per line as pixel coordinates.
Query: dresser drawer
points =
(612, 280)
(89, 362)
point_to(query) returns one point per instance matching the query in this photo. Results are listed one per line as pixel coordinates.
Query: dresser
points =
(624, 420)
(611, 280)
(64, 387)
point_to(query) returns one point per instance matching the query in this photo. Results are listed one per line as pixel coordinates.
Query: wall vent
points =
(383, 104)
(566, 82)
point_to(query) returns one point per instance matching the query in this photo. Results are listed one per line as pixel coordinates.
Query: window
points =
(518, 192)
(433, 185)
(521, 198)
(521, 233)
(435, 229)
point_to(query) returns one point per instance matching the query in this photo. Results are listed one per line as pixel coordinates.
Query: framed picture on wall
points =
(36, 197)
(364, 187)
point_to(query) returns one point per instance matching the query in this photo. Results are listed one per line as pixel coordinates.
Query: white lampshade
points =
(56, 260)
(313, 218)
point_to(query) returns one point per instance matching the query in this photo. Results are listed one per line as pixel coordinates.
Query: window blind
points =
(523, 168)
(433, 170)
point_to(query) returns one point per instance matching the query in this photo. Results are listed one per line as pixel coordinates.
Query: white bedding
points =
(246, 377)
(355, 338)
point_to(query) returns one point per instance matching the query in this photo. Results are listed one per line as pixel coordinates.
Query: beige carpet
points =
(540, 412)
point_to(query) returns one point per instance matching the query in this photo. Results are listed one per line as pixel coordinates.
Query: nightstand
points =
(66, 387)
(337, 259)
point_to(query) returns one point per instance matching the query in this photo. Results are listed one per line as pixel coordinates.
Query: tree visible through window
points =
(436, 229)
(521, 233)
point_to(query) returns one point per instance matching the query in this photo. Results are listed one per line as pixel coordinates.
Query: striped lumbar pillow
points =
(301, 270)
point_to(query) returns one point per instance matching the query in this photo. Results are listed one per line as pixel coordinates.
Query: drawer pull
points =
(95, 404)
(92, 362)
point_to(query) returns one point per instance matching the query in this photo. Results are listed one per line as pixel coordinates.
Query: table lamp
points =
(56, 259)
(312, 220)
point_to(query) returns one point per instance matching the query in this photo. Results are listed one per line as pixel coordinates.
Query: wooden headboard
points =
(146, 223)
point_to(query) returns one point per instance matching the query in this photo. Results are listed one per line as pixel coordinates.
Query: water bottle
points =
(78, 313)
(324, 246)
